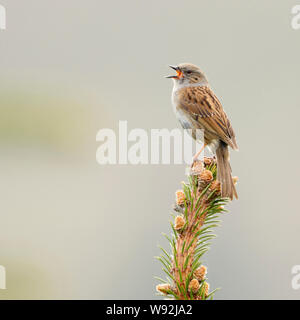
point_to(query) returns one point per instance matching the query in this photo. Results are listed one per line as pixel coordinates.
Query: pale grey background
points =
(71, 229)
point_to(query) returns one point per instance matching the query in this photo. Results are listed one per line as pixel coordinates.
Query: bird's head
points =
(187, 73)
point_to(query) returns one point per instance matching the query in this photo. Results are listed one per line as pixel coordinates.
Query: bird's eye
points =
(189, 72)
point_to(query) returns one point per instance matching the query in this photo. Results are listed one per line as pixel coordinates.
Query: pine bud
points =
(206, 176)
(206, 288)
(194, 286)
(216, 185)
(180, 197)
(197, 167)
(179, 223)
(200, 273)
(207, 161)
(163, 288)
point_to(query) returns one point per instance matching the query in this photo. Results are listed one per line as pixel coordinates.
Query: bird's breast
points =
(181, 116)
(187, 121)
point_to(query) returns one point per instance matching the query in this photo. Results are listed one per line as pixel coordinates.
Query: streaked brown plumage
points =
(197, 107)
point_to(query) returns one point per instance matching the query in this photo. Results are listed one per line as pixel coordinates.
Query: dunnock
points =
(197, 107)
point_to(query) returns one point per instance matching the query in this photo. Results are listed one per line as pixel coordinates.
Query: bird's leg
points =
(195, 157)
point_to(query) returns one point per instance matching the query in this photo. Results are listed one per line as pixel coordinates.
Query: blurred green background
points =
(72, 229)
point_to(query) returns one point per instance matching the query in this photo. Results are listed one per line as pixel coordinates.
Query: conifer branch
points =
(198, 205)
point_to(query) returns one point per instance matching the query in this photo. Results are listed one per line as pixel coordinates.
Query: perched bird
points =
(197, 107)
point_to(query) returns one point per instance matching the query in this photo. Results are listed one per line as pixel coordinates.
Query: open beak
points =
(179, 74)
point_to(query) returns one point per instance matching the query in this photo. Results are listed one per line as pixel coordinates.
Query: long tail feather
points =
(224, 172)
